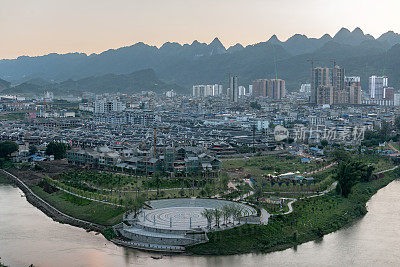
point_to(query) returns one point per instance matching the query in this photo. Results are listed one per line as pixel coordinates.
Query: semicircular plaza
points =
(184, 213)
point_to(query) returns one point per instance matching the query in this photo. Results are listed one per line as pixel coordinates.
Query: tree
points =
(181, 192)
(209, 215)
(385, 130)
(225, 213)
(255, 105)
(397, 123)
(257, 191)
(32, 150)
(340, 155)
(6, 148)
(324, 143)
(157, 180)
(350, 173)
(236, 213)
(217, 216)
(57, 149)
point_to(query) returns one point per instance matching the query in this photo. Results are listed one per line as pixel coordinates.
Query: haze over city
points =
(203, 133)
(44, 26)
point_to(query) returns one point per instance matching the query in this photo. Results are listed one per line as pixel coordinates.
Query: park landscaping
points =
(103, 197)
(79, 208)
(311, 219)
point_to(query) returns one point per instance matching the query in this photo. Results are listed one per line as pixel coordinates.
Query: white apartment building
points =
(108, 105)
(207, 90)
(242, 90)
(376, 86)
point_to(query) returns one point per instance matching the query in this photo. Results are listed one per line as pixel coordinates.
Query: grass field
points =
(270, 164)
(82, 209)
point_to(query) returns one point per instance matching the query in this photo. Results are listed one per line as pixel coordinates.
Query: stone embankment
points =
(48, 209)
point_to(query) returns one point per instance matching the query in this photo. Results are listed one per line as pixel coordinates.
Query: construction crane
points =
(311, 60)
(155, 128)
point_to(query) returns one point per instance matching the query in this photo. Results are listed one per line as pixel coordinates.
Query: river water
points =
(27, 236)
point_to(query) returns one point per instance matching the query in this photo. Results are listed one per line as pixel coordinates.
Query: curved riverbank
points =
(252, 238)
(48, 209)
(311, 219)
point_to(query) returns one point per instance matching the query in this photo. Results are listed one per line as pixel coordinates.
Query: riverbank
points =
(310, 220)
(48, 208)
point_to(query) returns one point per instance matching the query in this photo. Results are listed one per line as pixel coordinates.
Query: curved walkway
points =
(88, 198)
(333, 186)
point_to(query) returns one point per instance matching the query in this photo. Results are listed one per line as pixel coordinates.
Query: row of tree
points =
(229, 213)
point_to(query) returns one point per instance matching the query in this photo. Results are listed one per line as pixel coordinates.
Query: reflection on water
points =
(28, 236)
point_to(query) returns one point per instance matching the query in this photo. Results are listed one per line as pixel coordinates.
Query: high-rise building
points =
(234, 89)
(320, 77)
(376, 86)
(388, 93)
(260, 88)
(207, 90)
(340, 94)
(353, 88)
(276, 88)
(325, 94)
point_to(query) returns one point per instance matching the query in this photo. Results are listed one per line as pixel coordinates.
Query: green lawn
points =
(82, 209)
(4, 180)
(270, 164)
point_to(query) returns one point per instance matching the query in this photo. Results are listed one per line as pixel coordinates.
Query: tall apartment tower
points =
(377, 86)
(353, 88)
(234, 89)
(340, 94)
(276, 89)
(260, 87)
(321, 86)
(388, 93)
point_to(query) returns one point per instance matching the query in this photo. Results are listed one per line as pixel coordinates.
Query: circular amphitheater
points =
(184, 213)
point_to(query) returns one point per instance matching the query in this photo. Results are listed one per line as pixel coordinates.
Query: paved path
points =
(332, 187)
(322, 169)
(136, 191)
(88, 198)
(393, 148)
(388, 170)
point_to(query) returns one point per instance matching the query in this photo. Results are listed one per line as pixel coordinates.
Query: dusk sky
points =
(37, 27)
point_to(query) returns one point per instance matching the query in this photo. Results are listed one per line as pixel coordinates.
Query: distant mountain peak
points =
(195, 42)
(216, 43)
(234, 48)
(274, 39)
(326, 37)
(217, 47)
(216, 40)
(298, 36)
(342, 32)
(358, 31)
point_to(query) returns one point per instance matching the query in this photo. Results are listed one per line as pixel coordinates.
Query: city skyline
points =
(96, 26)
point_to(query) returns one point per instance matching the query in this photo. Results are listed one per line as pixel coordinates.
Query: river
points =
(27, 236)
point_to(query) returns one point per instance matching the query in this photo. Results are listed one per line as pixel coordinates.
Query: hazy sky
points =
(37, 27)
